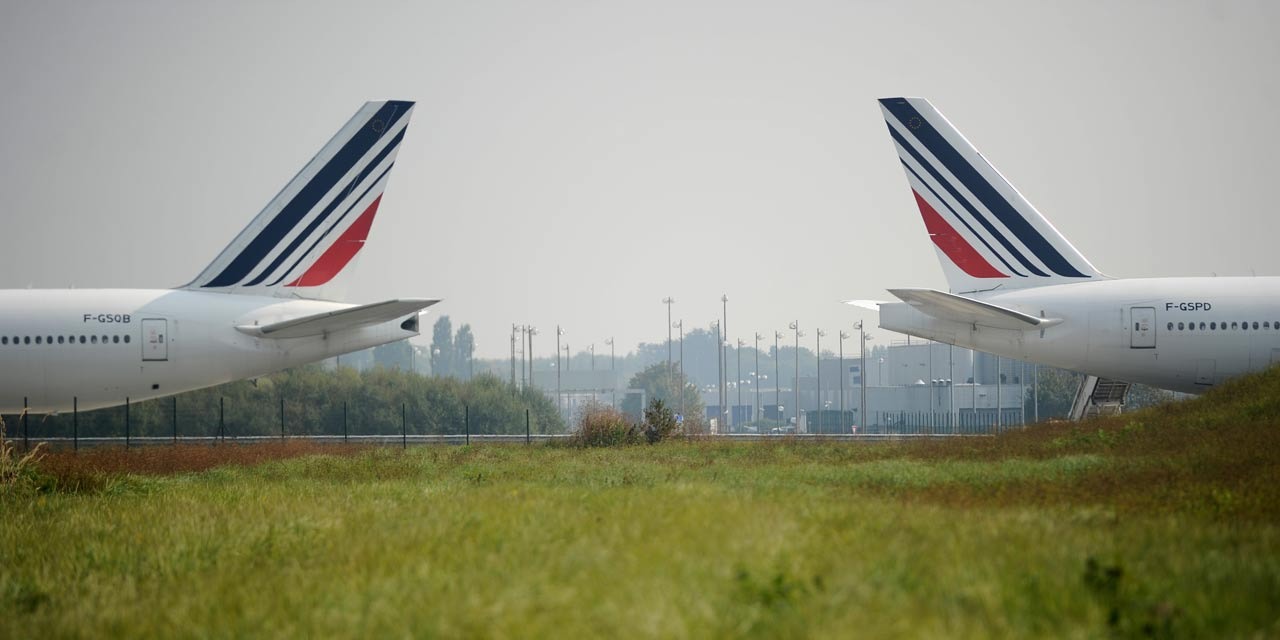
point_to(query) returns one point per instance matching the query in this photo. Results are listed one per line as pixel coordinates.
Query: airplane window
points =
(1213, 325)
(1202, 326)
(1179, 326)
(126, 339)
(104, 338)
(1255, 326)
(115, 339)
(1171, 326)
(26, 340)
(37, 339)
(82, 339)
(4, 339)
(1243, 325)
(94, 339)
(59, 339)
(1233, 325)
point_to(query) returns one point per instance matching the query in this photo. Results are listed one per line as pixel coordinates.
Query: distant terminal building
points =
(914, 385)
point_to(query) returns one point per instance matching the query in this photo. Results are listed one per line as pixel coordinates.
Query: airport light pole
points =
(724, 351)
(559, 405)
(756, 411)
(799, 334)
(777, 381)
(668, 301)
(819, 355)
(862, 374)
(533, 331)
(513, 354)
(933, 382)
(715, 324)
(679, 324)
(951, 385)
(739, 358)
(999, 388)
(613, 384)
(592, 348)
(843, 375)
(524, 334)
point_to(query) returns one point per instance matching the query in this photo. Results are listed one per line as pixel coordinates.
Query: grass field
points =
(1156, 524)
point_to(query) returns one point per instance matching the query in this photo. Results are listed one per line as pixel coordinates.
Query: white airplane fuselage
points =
(96, 347)
(1145, 330)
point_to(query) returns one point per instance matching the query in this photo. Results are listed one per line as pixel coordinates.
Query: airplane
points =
(265, 303)
(1019, 289)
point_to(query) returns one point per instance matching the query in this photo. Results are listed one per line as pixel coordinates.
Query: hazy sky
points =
(576, 162)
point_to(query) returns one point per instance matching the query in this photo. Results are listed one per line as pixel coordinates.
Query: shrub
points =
(659, 422)
(600, 425)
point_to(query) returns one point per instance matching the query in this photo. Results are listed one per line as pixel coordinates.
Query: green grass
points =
(1161, 523)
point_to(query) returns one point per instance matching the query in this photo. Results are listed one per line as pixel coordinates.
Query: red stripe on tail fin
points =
(954, 245)
(341, 252)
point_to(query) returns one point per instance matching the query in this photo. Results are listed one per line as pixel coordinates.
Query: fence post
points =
(175, 419)
(344, 421)
(466, 421)
(222, 415)
(404, 427)
(527, 437)
(126, 422)
(75, 423)
(282, 416)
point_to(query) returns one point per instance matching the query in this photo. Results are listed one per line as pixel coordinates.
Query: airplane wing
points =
(948, 306)
(331, 321)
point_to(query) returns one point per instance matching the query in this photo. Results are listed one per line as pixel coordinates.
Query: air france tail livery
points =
(262, 305)
(1019, 289)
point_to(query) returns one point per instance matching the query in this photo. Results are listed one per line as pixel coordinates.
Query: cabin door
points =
(1142, 327)
(155, 339)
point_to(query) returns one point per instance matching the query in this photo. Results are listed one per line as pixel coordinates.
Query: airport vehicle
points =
(1019, 289)
(264, 304)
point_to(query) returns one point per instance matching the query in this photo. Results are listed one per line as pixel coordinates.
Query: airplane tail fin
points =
(311, 231)
(986, 234)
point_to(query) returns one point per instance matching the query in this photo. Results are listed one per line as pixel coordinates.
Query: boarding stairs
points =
(1099, 397)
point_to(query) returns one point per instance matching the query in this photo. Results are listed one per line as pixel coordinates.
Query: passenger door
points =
(155, 339)
(1142, 327)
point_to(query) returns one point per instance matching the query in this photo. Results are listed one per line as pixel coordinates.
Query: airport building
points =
(915, 385)
(910, 385)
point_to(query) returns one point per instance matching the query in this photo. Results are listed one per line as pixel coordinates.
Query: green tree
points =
(464, 349)
(394, 355)
(442, 351)
(662, 383)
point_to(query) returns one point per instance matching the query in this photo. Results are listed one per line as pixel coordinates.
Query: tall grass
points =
(1162, 523)
(18, 474)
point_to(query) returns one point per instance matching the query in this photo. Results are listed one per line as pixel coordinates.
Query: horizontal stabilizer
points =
(948, 306)
(331, 321)
(873, 305)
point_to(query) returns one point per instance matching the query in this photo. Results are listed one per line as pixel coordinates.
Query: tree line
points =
(319, 401)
